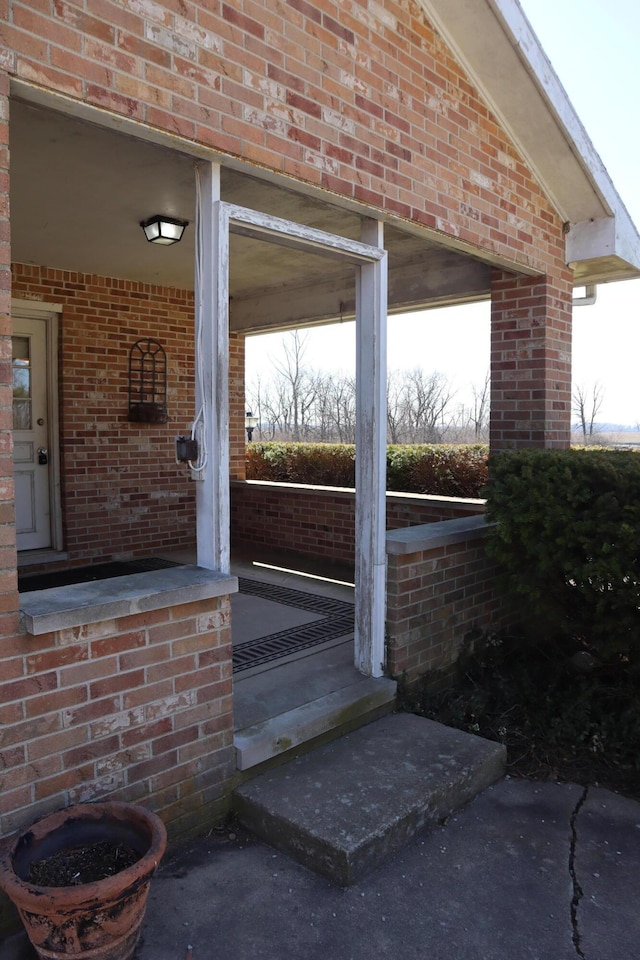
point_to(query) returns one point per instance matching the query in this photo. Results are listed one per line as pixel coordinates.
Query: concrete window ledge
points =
(78, 604)
(428, 536)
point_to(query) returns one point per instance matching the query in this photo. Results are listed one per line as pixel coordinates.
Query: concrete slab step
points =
(350, 805)
(333, 713)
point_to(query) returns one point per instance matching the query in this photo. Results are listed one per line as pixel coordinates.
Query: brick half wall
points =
(319, 522)
(441, 586)
(137, 708)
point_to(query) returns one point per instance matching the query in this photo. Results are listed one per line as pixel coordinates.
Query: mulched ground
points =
(533, 758)
(533, 762)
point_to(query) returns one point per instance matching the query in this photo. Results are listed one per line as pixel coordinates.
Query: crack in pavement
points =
(578, 892)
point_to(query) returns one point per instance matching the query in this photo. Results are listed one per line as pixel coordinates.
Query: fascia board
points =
(494, 42)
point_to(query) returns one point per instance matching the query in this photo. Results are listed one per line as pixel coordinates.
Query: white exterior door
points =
(31, 455)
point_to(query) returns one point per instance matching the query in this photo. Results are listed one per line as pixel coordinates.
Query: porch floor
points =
(313, 693)
(282, 684)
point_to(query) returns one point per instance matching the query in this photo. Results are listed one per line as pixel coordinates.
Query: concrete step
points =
(329, 715)
(350, 805)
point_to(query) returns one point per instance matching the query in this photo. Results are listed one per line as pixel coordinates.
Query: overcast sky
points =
(594, 47)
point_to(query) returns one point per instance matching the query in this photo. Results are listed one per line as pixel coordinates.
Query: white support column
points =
(371, 445)
(212, 373)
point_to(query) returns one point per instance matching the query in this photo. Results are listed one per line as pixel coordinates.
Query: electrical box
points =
(186, 449)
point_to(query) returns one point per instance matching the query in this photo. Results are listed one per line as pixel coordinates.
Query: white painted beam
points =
(371, 441)
(286, 233)
(211, 424)
(216, 220)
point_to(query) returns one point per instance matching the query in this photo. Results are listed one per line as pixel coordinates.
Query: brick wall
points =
(123, 494)
(237, 435)
(139, 707)
(436, 596)
(319, 522)
(378, 110)
(531, 360)
(8, 578)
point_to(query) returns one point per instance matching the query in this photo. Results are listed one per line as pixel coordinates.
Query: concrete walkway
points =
(528, 871)
(540, 871)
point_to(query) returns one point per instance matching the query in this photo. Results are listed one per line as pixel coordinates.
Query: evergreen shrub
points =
(446, 471)
(567, 537)
(321, 464)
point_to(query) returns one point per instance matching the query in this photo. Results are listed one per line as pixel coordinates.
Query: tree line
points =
(301, 403)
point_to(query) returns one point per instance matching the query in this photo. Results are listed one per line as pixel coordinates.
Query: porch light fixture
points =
(250, 423)
(163, 230)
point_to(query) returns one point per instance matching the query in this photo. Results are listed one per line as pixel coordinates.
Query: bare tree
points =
(300, 403)
(430, 399)
(457, 428)
(294, 390)
(258, 403)
(469, 423)
(337, 396)
(395, 392)
(586, 406)
(480, 410)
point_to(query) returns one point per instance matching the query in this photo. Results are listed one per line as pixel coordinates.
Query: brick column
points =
(530, 361)
(11, 663)
(237, 435)
(8, 556)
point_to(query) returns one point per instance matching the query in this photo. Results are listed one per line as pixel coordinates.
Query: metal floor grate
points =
(337, 621)
(295, 598)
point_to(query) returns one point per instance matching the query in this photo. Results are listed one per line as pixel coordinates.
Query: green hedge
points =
(568, 540)
(447, 471)
(324, 464)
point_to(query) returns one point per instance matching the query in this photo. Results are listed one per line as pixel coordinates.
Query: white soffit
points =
(494, 42)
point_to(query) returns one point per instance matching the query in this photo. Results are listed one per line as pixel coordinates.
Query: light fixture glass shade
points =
(163, 230)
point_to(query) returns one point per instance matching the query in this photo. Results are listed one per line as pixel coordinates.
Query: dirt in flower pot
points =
(85, 864)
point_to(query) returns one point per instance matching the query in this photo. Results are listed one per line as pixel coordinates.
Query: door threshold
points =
(29, 558)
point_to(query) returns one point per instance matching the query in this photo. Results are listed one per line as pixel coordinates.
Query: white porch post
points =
(371, 443)
(211, 425)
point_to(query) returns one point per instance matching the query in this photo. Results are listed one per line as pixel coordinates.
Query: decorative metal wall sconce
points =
(147, 382)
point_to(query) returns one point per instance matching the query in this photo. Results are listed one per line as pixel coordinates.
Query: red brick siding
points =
(237, 435)
(530, 361)
(320, 522)
(138, 707)
(11, 664)
(8, 580)
(435, 598)
(123, 494)
(378, 110)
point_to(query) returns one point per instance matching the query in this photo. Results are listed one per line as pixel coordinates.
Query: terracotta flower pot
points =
(93, 921)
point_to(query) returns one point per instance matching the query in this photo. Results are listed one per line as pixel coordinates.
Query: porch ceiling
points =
(79, 192)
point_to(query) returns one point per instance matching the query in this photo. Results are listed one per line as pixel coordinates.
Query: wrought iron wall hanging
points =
(147, 382)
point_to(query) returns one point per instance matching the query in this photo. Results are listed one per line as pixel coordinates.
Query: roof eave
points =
(496, 45)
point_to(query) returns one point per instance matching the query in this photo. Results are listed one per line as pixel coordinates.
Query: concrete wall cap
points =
(427, 536)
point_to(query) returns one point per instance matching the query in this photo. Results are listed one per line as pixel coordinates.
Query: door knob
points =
(43, 456)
